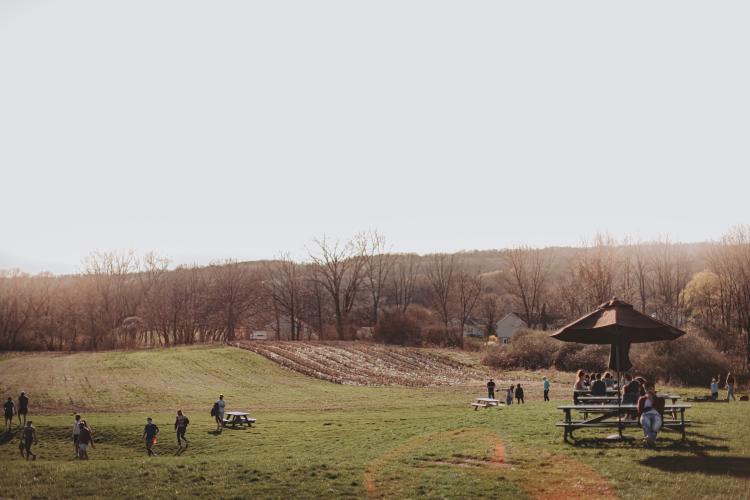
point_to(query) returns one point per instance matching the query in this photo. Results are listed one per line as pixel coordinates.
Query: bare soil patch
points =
(366, 364)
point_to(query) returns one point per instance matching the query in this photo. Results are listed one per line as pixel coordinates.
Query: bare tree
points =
(671, 273)
(733, 269)
(596, 270)
(234, 296)
(442, 280)
(468, 289)
(403, 281)
(284, 282)
(527, 280)
(489, 306)
(339, 270)
(378, 265)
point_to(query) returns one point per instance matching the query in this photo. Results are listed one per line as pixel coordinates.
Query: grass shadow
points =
(7, 437)
(732, 466)
(661, 444)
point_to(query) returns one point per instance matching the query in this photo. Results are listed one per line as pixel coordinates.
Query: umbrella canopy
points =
(616, 322)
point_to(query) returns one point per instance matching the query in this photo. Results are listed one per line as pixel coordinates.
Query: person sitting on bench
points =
(651, 413)
(598, 388)
(631, 390)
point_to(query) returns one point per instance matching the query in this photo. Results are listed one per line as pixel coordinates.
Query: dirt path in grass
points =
(541, 474)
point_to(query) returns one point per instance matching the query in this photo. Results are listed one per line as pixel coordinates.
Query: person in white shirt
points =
(220, 404)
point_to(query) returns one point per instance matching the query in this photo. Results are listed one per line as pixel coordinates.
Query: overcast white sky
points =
(208, 130)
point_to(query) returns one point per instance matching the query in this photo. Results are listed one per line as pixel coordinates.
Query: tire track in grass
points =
(541, 474)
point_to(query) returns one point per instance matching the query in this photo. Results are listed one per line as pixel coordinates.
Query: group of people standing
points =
(20, 410)
(28, 431)
(729, 386)
(515, 390)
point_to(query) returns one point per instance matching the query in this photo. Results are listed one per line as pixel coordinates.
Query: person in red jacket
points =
(651, 414)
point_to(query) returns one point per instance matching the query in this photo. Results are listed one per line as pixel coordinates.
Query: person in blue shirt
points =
(150, 431)
(546, 389)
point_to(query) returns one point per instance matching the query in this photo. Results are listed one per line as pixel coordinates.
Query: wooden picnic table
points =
(587, 392)
(608, 411)
(485, 403)
(613, 398)
(235, 418)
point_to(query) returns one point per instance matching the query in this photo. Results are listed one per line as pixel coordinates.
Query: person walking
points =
(23, 408)
(519, 394)
(180, 425)
(545, 385)
(85, 439)
(150, 431)
(509, 396)
(28, 438)
(77, 434)
(730, 387)
(218, 411)
(10, 410)
(491, 389)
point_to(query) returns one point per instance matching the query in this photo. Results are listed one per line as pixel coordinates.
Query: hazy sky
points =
(207, 130)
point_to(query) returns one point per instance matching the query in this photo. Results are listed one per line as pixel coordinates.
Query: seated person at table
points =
(651, 414)
(578, 386)
(587, 380)
(631, 392)
(608, 380)
(598, 388)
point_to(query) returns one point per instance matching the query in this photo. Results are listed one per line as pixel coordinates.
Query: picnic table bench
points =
(608, 411)
(235, 418)
(485, 403)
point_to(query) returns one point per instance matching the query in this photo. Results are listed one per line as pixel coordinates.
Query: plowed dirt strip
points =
(372, 364)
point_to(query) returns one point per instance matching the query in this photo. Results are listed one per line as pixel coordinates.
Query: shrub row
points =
(689, 360)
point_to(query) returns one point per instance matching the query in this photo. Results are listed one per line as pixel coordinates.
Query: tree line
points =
(123, 300)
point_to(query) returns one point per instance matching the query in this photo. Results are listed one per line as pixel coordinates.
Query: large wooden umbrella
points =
(618, 324)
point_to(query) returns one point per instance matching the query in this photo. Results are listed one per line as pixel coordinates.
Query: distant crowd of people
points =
(516, 391)
(83, 436)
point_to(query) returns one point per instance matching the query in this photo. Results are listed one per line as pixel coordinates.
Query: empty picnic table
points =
(485, 403)
(235, 418)
(608, 411)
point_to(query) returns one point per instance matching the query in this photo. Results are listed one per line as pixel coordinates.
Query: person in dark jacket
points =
(519, 394)
(491, 389)
(180, 426)
(598, 388)
(23, 408)
(651, 414)
(10, 410)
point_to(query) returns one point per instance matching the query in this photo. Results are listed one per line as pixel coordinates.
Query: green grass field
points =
(317, 439)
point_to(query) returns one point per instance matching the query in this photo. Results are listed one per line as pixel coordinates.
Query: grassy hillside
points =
(166, 379)
(318, 439)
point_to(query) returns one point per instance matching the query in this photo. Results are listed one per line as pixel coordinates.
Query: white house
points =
(505, 327)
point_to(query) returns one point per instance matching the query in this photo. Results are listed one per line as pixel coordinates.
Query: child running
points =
(150, 431)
